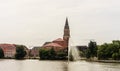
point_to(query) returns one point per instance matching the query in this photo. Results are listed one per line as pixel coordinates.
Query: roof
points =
(53, 45)
(37, 48)
(46, 43)
(7, 46)
(59, 39)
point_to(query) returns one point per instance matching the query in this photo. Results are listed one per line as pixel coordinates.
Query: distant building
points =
(60, 44)
(34, 52)
(56, 46)
(82, 48)
(9, 50)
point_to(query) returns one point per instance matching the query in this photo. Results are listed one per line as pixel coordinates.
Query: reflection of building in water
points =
(60, 43)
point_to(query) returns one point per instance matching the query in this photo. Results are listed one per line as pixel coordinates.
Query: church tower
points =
(66, 35)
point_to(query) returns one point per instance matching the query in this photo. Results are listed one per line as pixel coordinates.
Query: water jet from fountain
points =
(73, 53)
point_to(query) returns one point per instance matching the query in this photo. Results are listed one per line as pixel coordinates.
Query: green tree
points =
(61, 55)
(52, 54)
(92, 50)
(1, 53)
(102, 51)
(49, 54)
(87, 53)
(109, 51)
(115, 56)
(20, 52)
(43, 54)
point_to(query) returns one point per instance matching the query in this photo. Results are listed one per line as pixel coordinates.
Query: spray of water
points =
(73, 53)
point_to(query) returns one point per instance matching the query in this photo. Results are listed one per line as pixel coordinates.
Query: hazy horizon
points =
(33, 22)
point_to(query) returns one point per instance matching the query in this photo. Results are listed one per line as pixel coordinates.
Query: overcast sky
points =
(33, 22)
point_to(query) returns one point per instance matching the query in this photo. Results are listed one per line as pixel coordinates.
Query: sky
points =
(33, 22)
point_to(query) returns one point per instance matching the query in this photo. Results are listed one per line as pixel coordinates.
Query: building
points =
(66, 35)
(60, 43)
(34, 52)
(82, 48)
(9, 50)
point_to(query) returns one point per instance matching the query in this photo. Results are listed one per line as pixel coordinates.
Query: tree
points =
(1, 53)
(43, 53)
(47, 54)
(92, 50)
(20, 52)
(61, 55)
(87, 53)
(115, 56)
(109, 50)
(51, 54)
(102, 51)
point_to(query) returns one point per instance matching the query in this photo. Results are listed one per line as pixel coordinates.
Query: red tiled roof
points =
(53, 45)
(8, 46)
(59, 39)
(46, 43)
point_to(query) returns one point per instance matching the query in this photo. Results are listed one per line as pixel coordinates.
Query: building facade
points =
(34, 52)
(9, 50)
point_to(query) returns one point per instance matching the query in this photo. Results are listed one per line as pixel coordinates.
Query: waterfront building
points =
(82, 48)
(9, 50)
(60, 43)
(34, 52)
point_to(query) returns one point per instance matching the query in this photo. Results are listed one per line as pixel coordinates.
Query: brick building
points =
(9, 50)
(60, 43)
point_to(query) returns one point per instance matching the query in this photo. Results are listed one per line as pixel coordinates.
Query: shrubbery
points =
(51, 54)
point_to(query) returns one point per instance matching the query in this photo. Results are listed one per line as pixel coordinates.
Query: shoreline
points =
(32, 59)
(88, 60)
(104, 61)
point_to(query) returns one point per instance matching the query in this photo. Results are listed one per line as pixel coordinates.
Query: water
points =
(93, 66)
(32, 65)
(36, 65)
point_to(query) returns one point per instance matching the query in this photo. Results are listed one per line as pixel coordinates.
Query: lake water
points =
(36, 65)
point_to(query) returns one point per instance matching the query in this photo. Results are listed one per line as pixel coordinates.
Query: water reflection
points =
(93, 66)
(36, 65)
(65, 66)
(32, 65)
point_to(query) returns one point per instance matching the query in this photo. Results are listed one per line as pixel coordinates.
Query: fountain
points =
(73, 53)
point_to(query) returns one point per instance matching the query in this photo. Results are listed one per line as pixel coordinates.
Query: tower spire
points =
(66, 24)
(66, 35)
